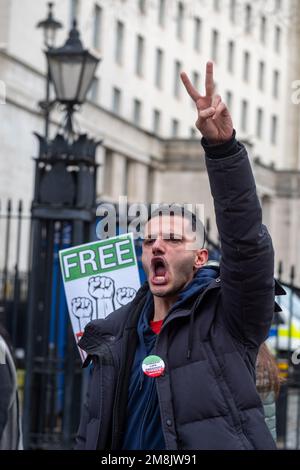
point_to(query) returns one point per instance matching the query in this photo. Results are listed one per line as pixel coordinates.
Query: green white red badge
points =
(153, 366)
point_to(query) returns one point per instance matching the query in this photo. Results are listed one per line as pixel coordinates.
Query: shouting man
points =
(175, 368)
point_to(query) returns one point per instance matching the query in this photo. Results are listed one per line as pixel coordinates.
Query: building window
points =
(275, 84)
(116, 105)
(139, 65)
(97, 27)
(156, 121)
(159, 68)
(197, 34)
(142, 6)
(230, 57)
(174, 127)
(193, 131)
(274, 125)
(93, 93)
(119, 42)
(177, 85)
(214, 45)
(180, 20)
(74, 11)
(266, 202)
(162, 13)
(232, 10)
(196, 80)
(137, 112)
(246, 66)
(244, 116)
(248, 19)
(259, 123)
(261, 76)
(229, 99)
(278, 5)
(216, 4)
(277, 42)
(263, 29)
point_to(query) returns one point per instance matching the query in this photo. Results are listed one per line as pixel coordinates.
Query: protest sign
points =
(99, 277)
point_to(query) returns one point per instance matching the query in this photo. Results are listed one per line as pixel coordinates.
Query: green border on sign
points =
(91, 259)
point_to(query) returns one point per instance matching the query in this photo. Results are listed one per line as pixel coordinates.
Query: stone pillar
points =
(118, 175)
(137, 182)
(100, 160)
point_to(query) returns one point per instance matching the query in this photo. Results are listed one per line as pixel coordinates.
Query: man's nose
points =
(158, 246)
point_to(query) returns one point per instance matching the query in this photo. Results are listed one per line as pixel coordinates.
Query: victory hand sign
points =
(214, 120)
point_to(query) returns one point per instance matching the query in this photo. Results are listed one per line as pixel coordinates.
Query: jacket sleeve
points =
(80, 441)
(6, 386)
(81, 433)
(6, 390)
(247, 256)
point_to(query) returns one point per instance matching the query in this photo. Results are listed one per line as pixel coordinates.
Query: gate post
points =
(64, 203)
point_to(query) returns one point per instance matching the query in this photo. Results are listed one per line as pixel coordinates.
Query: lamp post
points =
(63, 203)
(50, 26)
(72, 69)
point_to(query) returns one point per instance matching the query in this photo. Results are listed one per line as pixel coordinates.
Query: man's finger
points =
(209, 79)
(221, 109)
(189, 87)
(207, 113)
(216, 101)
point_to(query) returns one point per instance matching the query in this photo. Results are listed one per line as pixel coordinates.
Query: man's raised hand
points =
(214, 120)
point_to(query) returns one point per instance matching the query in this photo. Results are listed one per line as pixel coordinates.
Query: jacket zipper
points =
(115, 414)
(145, 412)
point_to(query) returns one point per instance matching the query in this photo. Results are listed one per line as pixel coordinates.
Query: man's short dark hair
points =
(172, 210)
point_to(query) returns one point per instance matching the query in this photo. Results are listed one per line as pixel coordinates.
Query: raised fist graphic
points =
(125, 295)
(82, 308)
(101, 287)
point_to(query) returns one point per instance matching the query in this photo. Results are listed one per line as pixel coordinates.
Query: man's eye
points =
(175, 239)
(149, 241)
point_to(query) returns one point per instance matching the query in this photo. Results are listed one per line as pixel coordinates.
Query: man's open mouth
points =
(159, 271)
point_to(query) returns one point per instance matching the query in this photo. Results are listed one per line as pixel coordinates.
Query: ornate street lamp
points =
(50, 27)
(72, 69)
(63, 213)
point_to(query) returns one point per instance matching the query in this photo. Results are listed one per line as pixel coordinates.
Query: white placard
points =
(99, 277)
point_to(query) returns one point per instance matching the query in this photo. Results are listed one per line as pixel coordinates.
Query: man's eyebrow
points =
(166, 235)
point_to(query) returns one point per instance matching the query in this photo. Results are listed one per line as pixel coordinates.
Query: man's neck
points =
(162, 306)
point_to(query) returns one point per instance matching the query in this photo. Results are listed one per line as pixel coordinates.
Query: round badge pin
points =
(153, 366)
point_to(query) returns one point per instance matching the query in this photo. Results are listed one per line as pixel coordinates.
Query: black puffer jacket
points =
(207, 396)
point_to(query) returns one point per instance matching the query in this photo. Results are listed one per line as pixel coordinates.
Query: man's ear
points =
(201, 257)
